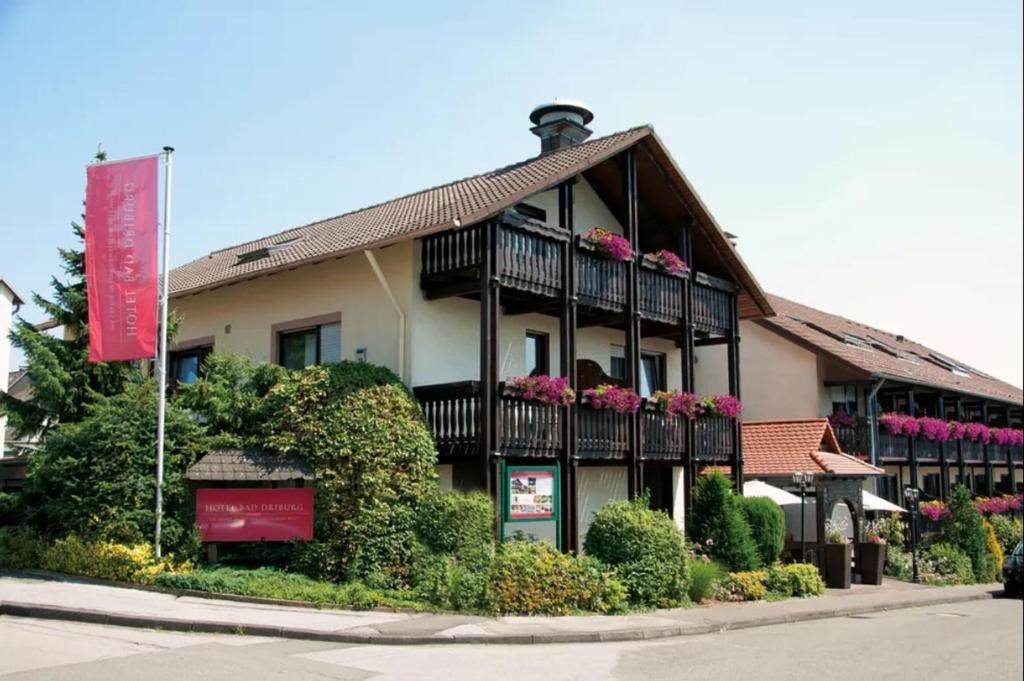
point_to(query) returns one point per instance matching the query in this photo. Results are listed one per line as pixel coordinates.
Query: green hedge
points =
(705, 578)
(20, 548)
(1009, 532)
(535, 578)
(945, 563)
(718, 524)
(767, 527)
(964, 530)
(645, 549)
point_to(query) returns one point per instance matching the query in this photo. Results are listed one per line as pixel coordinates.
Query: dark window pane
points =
(618, 368)
(536, 354)
(298, 350)
(651, 378)
(187, 368)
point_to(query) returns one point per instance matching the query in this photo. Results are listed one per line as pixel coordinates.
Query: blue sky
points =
(869, 155)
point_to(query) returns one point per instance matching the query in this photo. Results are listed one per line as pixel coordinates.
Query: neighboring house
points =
(10, 301)
(19, 387)
(461, 286)
(805, 362)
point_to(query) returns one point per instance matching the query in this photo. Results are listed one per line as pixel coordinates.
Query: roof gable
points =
(780, 448)
(880, 354)
(448, 206)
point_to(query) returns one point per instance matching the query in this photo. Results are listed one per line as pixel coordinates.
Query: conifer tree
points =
(63, 380)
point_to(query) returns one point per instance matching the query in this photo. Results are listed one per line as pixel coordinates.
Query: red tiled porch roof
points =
(776, 448)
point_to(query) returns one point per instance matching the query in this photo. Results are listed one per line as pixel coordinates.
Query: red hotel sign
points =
(256, 514)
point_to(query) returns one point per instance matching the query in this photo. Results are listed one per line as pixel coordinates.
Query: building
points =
(462, 286)
(10, 301)
(805, 363)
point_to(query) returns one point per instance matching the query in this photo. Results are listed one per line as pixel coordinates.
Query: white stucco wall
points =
(588, 210)
(678, 498)
(778, 379)
(595, 487)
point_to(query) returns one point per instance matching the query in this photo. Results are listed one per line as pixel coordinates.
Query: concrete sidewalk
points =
(69, 599)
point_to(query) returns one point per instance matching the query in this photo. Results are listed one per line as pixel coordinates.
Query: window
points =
(186, 365)
(537, 361)
(312, 345)
(652, 369)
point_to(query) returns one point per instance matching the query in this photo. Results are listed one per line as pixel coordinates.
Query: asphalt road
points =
(980, 639)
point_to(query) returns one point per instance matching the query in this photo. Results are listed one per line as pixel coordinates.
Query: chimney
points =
(560, 124)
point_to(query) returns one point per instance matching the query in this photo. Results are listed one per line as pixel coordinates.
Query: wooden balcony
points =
(534, 430)
(853, 440)
(529, 268)
(998, 454)
(927, 451)
(893, 447)
(973, 452)
(1017, 454)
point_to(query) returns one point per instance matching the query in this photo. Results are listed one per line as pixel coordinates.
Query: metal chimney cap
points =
(570, 106)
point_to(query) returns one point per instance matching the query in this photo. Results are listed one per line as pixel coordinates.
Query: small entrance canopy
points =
(249, 465)
(876, 503)
(756, 488)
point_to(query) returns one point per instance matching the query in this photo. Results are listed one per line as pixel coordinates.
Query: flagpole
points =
(162, 377)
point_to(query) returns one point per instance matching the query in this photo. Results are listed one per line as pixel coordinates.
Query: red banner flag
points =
(121, 259)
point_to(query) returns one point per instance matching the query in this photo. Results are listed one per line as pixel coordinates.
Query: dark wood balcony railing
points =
(600, 282)
(664, 435)
(661, 295)
(452, 412)
(893, 446)
(1017, 453)
(602, 433)
(714, 438)
(973, 452)
(530, 259)
(927, 450)
(997, 453)
(712, 304)
(532, 429)
(452, 250)
(853, 440)
(529, 428)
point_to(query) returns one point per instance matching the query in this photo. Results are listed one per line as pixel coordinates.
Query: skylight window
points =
(855, 340)
(266, 251)
(947, 363)
(890, 350)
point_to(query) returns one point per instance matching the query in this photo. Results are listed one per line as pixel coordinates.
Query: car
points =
(1013, 572)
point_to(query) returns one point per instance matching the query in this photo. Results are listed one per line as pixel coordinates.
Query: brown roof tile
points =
(251, 465)
(774, 448)
(462, 202)
(889, 356)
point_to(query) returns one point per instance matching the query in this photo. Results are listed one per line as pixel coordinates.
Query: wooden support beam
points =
(912, 451)
(943, 447)
(734, 390)
(489, 353)
(632, 320)
(567, 318)
(986, 454)
(961, 468)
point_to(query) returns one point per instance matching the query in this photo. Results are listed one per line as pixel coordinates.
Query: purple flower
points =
(613, 246)
(677, 403)
(542, 389)
(607, 396)
(933, 429)
(840, 419)
(722, 405)
(667, 260)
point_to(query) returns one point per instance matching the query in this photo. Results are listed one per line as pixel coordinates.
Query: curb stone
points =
(16, 609)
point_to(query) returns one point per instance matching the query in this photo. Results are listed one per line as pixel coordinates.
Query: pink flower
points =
(722, 405)
(840, 419)
(542, 389)
(933, 429)
(677, 403)
(607, 396)
(977, 432)
(957, 430)
(934, 510)
(667, 260)
(613, 246)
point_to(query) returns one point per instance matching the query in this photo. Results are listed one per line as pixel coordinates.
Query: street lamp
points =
(913, 495)
(802, 480)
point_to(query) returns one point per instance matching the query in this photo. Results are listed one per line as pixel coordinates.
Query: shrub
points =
(95, 478)
(272, 583)
(537, 579)
(893, 530)
(12, 508)
(805, 580)
(449, 584)
(107, 560)
(229, 393)
(964, 530)
(995, 550)
(458, 525)
(898, 563)
(374, 460)
(745, 586)
(948, 562)
(778, 582)
(718, 524)
(767, 526)
(645, 549)
(1009, 531)
(20, 548)
(705, 578)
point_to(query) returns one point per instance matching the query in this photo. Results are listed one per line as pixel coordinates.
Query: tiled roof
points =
(253, 465)
(462, 202)
(774, 448)
(885, 355)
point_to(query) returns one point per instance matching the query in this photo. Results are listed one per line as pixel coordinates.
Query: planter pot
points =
(837, 565)
(871, 561)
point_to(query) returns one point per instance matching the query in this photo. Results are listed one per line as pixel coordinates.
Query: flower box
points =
(545, 389)
(608, 244)
(837, 565)
(666, 261)
(871, 561)
(608, 396)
